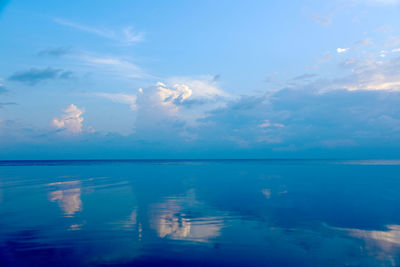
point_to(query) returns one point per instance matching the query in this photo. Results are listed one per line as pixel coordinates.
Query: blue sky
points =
(199, 79)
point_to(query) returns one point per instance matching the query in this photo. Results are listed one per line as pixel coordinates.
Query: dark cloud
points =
(216, 78)
(55, 52)
(35, 75)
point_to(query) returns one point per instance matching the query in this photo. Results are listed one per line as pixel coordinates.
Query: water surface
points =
(200, 213)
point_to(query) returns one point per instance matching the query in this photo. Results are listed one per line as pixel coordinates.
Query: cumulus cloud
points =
(71, 120)
(178, 93)
(178, 101)
(36, 75)
(205, 87)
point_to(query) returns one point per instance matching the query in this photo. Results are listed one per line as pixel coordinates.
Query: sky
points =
(199, 79)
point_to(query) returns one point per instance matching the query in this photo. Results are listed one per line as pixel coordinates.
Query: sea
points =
(200, 213)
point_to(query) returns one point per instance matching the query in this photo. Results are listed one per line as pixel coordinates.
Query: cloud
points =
(114, 66)
(55, 52)
(370, 74)
(175, 95)
(99, 32)
(2, 104)
(178, 101)
(342, 50)
(385, 240)
(71, 121)
(305, 118)
(35, 75)
(205, 87)
(324, 20)
(170, 221)
(305, 76)
(125, 37)
(129, 99)
(131, 37)
(2, 87)
(267, 124)
(68, 196)
(381, 2)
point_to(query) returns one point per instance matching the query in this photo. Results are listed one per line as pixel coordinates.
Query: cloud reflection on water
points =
(68, 196)
(386, 240)
(171, 221)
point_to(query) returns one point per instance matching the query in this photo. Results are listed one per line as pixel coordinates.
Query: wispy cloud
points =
(55, 52)
(129, 99)
(100, 32)
(126, 36)
(114, 66)
(35, 75)
(324, 20)
(380, 2)
(306, 76)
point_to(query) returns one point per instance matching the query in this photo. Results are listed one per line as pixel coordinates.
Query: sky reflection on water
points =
(235, 213)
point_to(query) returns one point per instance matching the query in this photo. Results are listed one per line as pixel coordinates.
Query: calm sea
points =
(200, 213)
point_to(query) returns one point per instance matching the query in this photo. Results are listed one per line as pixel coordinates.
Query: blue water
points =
(200, 213)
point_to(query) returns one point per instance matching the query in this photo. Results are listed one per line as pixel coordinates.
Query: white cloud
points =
(129, 99)
(202, 87)
(99, 32)
(126, 36)
(371, 74)
(131, 37)
(114, 66)
(342, 50)
(176, 93)
(71, 121)
(177, 103)
(267, 124)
